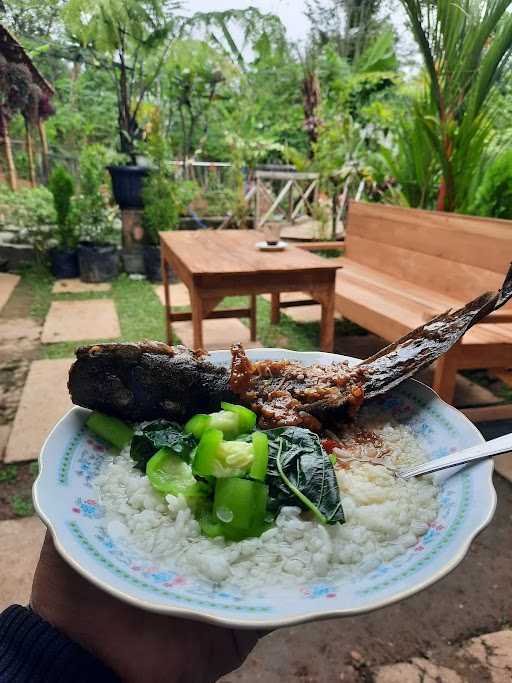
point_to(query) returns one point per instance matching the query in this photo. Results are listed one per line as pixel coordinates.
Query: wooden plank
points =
(285, 175)
(276, 203)
(328, 245)
(457, 280)
(224, 313)
(489, 413)
(481, 242)
(303, 199)
(233, 252)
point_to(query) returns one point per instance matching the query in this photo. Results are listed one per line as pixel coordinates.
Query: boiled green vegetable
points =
(246, 417)
(240, 507)
(159, 434)
(218, 458)
(168, 473)
(260, 462)
(301, 473)
(115, 431)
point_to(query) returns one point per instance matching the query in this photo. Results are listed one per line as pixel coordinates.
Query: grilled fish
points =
(147, 381)
(151, 380)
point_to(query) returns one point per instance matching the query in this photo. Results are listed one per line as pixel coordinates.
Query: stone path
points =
(8, 282)
(76, 286)
(485, 658)
(179, 295)
(44, 400)
(81, 320)
(20, 543)
(218, 334)
(300, 314)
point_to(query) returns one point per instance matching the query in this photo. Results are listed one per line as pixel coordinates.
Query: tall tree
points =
(350, 25)
(130, 39)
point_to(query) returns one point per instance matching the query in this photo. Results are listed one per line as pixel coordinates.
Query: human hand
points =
(136, 645)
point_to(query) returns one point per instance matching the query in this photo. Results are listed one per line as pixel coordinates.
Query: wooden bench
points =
(403, 266)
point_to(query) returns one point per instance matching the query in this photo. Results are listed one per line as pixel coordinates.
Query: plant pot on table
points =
(153, 264)
(64, 262)
(127, 183)
(98, 262)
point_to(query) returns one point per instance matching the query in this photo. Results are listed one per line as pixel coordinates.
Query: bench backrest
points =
(460, 256)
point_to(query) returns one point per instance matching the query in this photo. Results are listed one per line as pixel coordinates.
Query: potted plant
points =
(131, 40)
(164, 199)
(63, 257)
(99, 222)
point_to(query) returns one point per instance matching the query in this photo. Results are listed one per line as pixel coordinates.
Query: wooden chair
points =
(403, 266)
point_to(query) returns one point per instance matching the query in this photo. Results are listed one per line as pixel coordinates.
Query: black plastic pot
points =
(64, 262)
(133, 260)
(127, 182)
(152, 263)
(98, 262)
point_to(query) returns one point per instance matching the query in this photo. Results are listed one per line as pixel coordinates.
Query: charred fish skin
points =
(411, 353)
(146, 381)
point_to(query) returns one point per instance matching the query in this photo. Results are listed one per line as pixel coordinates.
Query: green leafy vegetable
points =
(156, 435)
(301, 473)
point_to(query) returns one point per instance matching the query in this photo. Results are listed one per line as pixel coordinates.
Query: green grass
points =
(8, 473)
(33, 468)
(21, 506)
(141, 315)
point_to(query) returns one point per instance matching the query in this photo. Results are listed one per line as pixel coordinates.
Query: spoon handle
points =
(483, 450)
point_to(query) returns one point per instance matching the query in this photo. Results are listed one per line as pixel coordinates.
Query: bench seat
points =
(391, 308)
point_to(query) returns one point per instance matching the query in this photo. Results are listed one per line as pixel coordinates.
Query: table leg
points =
(167, 295)
(197, 318)
(327, 322)
(253, 317)
(276, 309)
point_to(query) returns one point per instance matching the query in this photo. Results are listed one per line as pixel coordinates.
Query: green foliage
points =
(164, 201)
(22, 506)
(494, 195)
(465, 48)
(62, 187)
(130, 39)
(8, 473)
(31, 212)
(98, 221)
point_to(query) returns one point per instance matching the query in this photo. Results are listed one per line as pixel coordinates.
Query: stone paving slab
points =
(76, 286)
(217, 334)
(81, 320)
(20, 544)
(179, 294)
(8, 282)
(5, 430)
(300, 314)
(44, 400)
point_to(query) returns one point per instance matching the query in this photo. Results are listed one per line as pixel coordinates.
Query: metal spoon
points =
(479, 452)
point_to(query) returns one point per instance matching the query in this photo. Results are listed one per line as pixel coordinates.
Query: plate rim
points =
(236, 621)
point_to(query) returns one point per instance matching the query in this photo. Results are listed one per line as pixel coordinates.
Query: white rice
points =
(384, 518)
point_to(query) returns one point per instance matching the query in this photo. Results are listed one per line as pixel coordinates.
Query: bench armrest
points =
(320, 246)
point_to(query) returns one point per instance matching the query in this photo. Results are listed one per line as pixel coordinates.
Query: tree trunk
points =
(311, 93)
(45, 157)
(11, 169)
(30, 155)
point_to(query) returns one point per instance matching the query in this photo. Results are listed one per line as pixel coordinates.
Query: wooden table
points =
(215, 264)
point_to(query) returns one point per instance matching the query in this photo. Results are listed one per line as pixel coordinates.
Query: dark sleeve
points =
(33, 651)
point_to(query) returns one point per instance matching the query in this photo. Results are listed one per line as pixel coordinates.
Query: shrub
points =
(164, 201)
(98, 221)
(494, 196)
(30, 213)
(62, 187)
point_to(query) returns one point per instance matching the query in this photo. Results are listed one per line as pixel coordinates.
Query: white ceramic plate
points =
(265, 246)
(65, 500)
